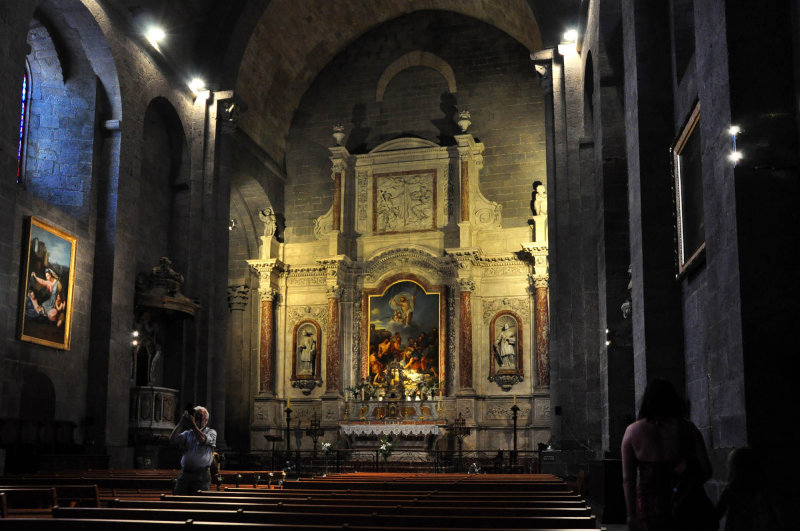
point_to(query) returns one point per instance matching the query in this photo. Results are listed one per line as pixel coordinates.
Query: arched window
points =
(23, 122)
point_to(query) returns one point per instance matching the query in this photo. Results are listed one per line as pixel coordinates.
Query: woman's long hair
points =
(660, 401)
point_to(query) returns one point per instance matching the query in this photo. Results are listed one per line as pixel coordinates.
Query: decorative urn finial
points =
(464, 120)
(338, 134)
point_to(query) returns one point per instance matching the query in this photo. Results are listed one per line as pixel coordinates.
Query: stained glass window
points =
(22, 115)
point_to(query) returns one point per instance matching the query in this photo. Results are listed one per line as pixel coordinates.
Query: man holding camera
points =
(197, 442)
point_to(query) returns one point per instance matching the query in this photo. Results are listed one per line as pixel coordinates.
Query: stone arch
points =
(68, 56)
(164, 186)
(416, 58)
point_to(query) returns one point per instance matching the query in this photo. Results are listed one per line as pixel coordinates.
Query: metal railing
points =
(308, 462)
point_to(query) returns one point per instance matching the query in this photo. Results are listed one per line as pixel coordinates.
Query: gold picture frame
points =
(688, 183)
(45, 314)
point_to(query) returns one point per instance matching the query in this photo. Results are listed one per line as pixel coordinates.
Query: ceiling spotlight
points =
(155, 34)
(570, 35)
(197, 84)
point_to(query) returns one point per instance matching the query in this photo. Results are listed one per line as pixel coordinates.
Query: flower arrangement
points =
(327, 448)
(362, 390)
(385, 448)
(428, 387)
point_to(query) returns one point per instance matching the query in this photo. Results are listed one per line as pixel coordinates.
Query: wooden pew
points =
(28, 502)
(378, 518)
(350, 508)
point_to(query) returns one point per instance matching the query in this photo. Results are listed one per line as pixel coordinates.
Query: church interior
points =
(472, 226)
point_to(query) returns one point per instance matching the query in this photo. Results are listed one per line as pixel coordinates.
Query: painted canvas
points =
(404, 336)
(46, 308)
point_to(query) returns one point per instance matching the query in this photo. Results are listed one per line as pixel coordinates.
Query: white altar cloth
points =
(390, 428)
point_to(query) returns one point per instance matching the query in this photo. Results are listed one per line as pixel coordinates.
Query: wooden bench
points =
(350, 508)
(375, 518)
(28, 502)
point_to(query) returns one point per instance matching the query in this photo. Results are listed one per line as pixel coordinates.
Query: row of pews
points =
(387, 501)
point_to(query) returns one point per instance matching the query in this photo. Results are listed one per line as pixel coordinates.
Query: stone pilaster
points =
(333, 354)
(466, 287)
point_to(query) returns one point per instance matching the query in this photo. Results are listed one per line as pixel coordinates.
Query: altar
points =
(411, 424)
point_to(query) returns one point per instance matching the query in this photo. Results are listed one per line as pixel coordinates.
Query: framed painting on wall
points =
(49, 280)
(687, 173)
(404, 335)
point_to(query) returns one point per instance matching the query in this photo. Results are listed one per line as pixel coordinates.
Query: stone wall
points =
(494, 81)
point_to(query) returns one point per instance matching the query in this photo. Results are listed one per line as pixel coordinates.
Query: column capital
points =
(238, 296)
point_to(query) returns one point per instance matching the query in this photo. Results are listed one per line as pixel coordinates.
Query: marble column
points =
(333, 352)
(266, 354)
(542, 323)
(465, 335)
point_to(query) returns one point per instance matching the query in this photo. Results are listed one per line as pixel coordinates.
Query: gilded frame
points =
(45, 313)
(688, 184)
(429, 313)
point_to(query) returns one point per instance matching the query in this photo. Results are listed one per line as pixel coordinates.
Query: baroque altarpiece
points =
(413, 305)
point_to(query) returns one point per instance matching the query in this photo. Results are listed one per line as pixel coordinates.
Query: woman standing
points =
(659, 446)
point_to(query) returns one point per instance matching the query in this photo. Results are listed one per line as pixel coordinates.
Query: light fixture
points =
(135, 340)
(735, 155)
(155, 34)
(571, 35)
(197, 85)
(232, 224)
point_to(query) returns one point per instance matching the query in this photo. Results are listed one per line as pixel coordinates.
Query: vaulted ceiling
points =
(270, 51)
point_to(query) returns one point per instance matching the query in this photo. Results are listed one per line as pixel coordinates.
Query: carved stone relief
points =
(361, 201)
(502, 411)
(542, 408)
(519, 305)
(319, 313)
(404, 201)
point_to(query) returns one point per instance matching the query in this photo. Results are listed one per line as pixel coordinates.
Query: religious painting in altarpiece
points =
(404, 343)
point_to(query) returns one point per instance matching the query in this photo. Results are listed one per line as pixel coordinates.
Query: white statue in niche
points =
(505, 347)
(307, 350)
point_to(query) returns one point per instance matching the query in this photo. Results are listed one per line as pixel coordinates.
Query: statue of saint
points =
(540, 199)
(307, 351)
(270, 222)
(505, 349)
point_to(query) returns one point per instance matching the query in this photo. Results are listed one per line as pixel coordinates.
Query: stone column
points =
(542, 334)
(333, 352)
(266, 353)
(465, 336)
(268, 271)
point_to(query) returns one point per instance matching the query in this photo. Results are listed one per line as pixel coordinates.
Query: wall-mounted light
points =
(735, 155)
(135, 338)
(197, 85)
(155, 34)
(232, 224)
(568, 44)
(608, 337)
